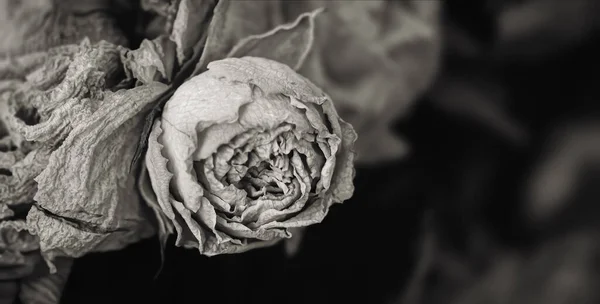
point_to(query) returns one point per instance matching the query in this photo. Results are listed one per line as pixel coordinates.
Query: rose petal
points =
(252, 150)
(79, 182)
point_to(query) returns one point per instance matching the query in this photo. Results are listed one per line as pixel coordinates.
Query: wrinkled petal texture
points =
(86, 198)
(69, 116)
(22, 160)
(246, 151)
(34, 58)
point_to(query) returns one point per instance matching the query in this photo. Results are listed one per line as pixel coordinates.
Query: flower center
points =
(263, 176)
(258, 180)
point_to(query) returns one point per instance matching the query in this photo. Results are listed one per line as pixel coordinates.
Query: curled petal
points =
(246, 151)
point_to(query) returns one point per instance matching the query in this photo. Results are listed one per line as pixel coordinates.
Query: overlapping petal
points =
(246, 151)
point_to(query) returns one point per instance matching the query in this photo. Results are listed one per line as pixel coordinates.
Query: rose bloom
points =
(246, 151)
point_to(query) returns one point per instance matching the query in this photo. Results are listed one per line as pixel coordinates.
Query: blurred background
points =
(478, 177)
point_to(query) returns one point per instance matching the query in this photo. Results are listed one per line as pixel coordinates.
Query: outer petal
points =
(160, 178)
(86, 198)
(270, 76)
(78, 132)
(232, 107)
(341, 186)
(199, 103)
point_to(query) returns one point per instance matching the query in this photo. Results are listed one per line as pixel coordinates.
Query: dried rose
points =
(245, 151)
(89, 112)
(34, 61)
(68, 118)
(41, 80)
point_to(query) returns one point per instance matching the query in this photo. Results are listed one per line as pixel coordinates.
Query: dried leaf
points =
(188, 26)
(288, 43)
(233, 21)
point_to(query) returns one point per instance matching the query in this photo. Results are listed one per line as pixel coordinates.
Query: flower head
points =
(245, 151)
